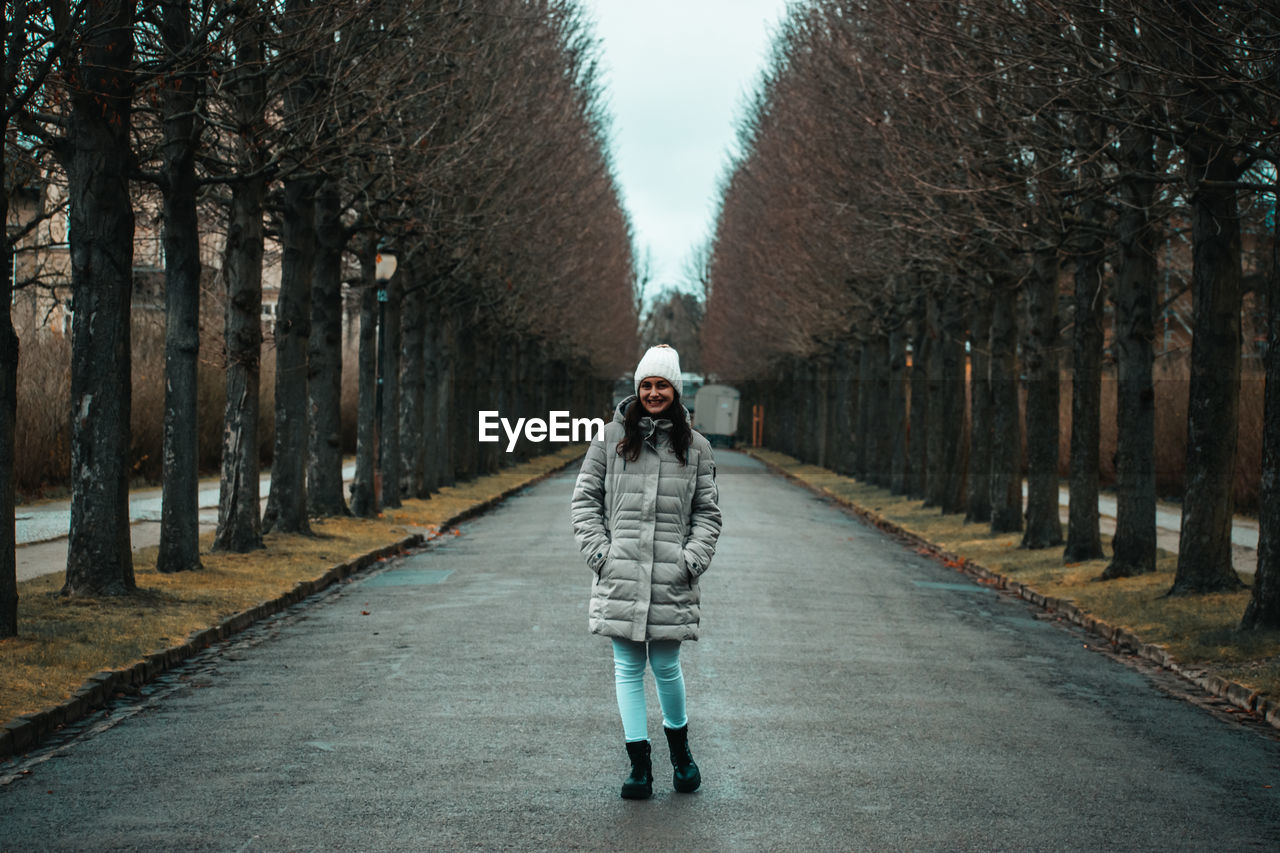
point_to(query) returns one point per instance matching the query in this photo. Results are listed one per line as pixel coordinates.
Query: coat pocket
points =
(686, 569)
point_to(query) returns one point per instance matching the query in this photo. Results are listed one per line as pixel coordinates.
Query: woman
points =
(645, 516)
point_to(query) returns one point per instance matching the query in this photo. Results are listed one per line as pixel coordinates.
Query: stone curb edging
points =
(23, 733)
(1253, 702)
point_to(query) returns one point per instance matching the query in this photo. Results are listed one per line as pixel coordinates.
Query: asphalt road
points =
(41, 528)
(848, 694)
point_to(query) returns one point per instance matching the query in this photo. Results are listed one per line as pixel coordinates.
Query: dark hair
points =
(632, 440)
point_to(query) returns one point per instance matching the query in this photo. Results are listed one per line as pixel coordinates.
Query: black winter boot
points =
(686, 777)
(639, 785)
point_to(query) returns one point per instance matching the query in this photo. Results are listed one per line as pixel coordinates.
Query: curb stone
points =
(23, 733)
(1240, 697)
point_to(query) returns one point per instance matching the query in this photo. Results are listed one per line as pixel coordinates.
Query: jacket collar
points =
(648, 426)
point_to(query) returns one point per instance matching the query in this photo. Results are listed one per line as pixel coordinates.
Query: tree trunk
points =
(1006, 464)
(978, 485)
(881, 428)
(898, 410)
(820, 392)
(432, 355)
(933, 427)
(784, 433)
(799, 412)
(287, 500)
(413, 378)
(836, 399)
(508, 400)
(1133, 547)
(8, 417)
(99, 559)
(845, 403)
(1040, 360)
(324, 360)
(239, 509)
(917, 422)
(180, 504)
(1084, 539)
(862, 415)
(1204, 552)
(485, 461)
(524, 402)
(1263, 611)
(779, 426)
(445, 401)
(364, 499)
(239, 502)
(945, 482)
(953, 326)
(389, 412)
(812, 392)
(496, 361)
(461, 426)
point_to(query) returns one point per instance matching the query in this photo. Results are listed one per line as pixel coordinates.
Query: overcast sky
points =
(677, 73)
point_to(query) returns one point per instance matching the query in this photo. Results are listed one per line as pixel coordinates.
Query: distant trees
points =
(988, 180)
(676, 319)
(466, 139)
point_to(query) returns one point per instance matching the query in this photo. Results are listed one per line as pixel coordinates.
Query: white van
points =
(715, 413)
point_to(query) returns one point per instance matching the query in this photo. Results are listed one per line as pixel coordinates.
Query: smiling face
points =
(656, 394)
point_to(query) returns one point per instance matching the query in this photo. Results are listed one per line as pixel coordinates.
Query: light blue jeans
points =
(628, 677)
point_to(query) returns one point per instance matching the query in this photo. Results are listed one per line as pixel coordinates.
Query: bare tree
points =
(29, 58)
(1134, 295)
(96, 65)
(179, 78)
(308, 33)
(246, 94)
(1263, 611)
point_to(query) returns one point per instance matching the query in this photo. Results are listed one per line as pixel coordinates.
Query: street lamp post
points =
(384, 269)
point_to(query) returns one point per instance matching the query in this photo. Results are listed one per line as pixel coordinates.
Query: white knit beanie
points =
(662, 361)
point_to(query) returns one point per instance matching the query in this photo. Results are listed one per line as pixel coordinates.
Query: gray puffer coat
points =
(648, 530)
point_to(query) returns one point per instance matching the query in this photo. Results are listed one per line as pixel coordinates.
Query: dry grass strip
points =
(1199, 632)
(62, 641)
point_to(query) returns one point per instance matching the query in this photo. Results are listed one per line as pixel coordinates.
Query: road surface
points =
(848, 694)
